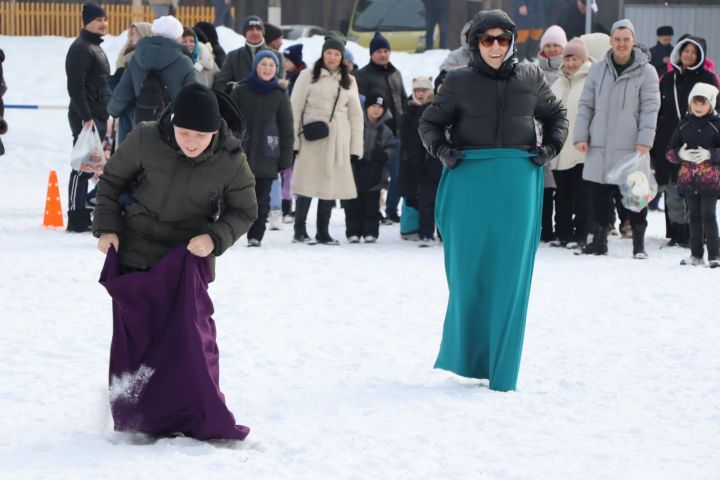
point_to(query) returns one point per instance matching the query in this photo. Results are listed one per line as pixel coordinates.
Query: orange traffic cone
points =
(53, 209)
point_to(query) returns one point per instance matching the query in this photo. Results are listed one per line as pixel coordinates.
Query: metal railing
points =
(65, 19)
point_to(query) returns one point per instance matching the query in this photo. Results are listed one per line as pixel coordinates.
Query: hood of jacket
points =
(675, 54)
(157, 53)
(464, 35)
(549, 64)
(482, 22)
(583, 71)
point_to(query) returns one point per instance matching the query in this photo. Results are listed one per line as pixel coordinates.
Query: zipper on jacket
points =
(499, 133)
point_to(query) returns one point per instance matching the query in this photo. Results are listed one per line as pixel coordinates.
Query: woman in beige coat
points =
(571, 201)
(327, 93)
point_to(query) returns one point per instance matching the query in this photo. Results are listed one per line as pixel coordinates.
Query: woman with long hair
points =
(328, 122)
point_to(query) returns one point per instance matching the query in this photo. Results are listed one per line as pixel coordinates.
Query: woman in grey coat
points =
(616, 119)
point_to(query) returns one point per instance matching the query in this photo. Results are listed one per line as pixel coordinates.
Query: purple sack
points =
(164, 369)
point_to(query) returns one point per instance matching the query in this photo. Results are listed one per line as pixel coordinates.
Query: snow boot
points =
(693, 261)
(638, 238)
(598, 246)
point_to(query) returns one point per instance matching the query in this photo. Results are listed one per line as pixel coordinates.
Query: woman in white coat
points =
(326, 93)
(571, 201)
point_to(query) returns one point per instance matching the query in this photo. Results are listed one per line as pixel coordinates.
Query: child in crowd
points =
(362, 219)
(695, 144)
(293, 62)
(416, 164)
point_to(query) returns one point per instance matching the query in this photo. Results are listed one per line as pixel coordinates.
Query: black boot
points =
(599, 244)
(639, 242)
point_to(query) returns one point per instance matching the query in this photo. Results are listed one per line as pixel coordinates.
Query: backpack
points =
(152, 99)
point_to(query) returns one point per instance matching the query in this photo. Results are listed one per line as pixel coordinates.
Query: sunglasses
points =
(502, 40)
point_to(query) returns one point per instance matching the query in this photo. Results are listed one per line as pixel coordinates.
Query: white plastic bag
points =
(636, 181)
(87, 154)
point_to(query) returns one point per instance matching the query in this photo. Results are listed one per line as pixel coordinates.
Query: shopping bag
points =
(87, 154)
(636, 181)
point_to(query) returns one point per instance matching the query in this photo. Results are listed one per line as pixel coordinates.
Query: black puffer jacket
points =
(697, 178)
(488, 108)
(671, 112)
(176, 197)
(87, 69)
(373, 78)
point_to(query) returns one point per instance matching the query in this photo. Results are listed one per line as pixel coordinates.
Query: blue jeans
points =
(276, 195)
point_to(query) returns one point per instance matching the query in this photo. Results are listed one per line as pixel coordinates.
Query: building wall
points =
(699, 20)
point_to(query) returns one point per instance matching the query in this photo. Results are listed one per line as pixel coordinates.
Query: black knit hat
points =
(376, 99)
(196, 108)
(253, 21)
(90, 12)
(378, 42)
(272, 32)
(665, 31)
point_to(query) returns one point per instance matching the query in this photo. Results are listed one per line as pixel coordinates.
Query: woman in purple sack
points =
(177, 193)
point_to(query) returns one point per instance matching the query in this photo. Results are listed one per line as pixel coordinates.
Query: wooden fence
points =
(65, 19)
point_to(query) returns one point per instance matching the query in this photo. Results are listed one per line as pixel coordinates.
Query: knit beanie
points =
(376, 99)
(378, 42)
(624, 23)
(259, 56)
(704, 90)
(272, 32)
(422, 82)
(576, 48)
(167, 26)
(196, 108)
(252, 21)
(334, 42)
(90, 12)
(665, 31)
(294, 54)
(554, 34)
(349, 56)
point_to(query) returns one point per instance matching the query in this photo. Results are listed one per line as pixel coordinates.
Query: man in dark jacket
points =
(180, 180)
(382, 77)
(660, 53)
(87, 69)
(238, 64)
(162, 53)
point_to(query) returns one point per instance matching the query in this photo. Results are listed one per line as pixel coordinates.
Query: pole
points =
(275, 12)
(588, 16)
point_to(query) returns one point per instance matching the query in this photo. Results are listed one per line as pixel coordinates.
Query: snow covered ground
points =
(327, 352)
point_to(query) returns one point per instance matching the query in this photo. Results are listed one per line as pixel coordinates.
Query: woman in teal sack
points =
(482, 127)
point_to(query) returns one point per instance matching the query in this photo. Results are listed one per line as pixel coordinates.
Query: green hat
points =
(334, 41)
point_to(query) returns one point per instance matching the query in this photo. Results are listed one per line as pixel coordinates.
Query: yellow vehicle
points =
(402, 22)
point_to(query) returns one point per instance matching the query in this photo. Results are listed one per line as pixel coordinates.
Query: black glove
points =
(543, 154)
(354, 158)
(449, 156)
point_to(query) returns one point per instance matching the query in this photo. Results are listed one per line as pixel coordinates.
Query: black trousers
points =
(703, 224)
(601, 198)
(427, 191)
(262, 194)
(361, 215)
(78, 215)
(324, 209)
(571, 205)
(547, 232)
